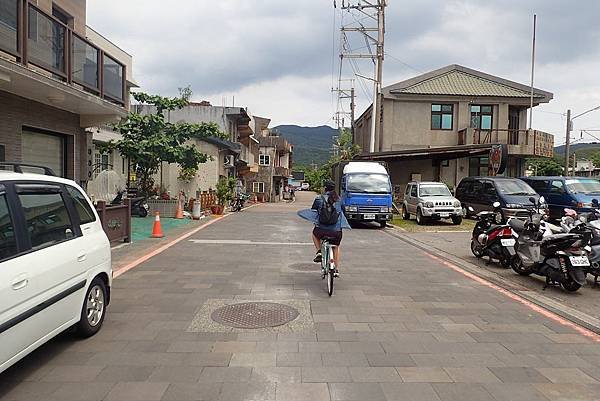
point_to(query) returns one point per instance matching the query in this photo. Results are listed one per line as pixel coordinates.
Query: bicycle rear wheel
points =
(329, 281)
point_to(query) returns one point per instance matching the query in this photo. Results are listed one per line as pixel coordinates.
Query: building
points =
(275, 164)
(442, 126)
(57, 78)
(235, 156)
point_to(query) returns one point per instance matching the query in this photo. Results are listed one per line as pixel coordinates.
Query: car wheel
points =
(383, 224)
(420, 217)
(405, 214)
(93, 309)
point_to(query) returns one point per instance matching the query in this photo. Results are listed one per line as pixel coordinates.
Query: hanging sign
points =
(497, 160)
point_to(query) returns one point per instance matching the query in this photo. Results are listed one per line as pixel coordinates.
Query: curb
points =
(572, 315)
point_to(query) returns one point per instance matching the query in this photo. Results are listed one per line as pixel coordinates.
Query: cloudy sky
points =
(278, 57)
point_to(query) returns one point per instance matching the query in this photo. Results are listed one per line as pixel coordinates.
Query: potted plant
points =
(225, 188)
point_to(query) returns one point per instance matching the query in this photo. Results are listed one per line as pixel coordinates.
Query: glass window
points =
(407, 190)
(86, 215)
(8, 25)
(413, 191)
(478, 166)
(488, 189)
(514, 187)
(264, 160)
(47, 219)
(258, 187)
(435, 190)
(46, 41)
(557, 187)
(539, 186)
(588, 187)
(441, 116)
(477, 187)
(8, 242)
(2, 153)
(481, 117)
(113, 78)
(85, 62)
(369, 183)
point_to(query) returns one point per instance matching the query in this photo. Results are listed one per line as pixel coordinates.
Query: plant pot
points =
(217, 209)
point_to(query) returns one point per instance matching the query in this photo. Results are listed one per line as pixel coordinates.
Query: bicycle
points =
(327, 263)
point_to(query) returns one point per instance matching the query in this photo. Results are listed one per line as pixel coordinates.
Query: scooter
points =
(491, 238)
(560, 258)
(237, 204)
(139, 206)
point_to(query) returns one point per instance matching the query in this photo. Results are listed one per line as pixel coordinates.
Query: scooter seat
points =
(517, 225)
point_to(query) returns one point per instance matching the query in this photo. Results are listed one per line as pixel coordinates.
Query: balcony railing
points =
(36, 38)
(525, 142)
(281, 172)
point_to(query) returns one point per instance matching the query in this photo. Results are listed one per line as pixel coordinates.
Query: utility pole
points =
(568, 143)
(344, 94)
(532, 72)
(378, 8)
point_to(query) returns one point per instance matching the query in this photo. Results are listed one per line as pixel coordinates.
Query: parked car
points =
(55, 263)
(430, 200)
(574, 193)
(480, 193)
(305, 186)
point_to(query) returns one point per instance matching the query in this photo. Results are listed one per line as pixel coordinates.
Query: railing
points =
(36, 38)
(505, 136)
(526, 142)
(282, 172)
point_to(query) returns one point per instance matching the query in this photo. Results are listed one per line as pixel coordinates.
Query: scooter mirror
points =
(595, 203)
(471, 209)
(542, 200)
(496, 204)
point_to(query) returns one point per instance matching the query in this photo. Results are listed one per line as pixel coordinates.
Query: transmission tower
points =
(369, 22)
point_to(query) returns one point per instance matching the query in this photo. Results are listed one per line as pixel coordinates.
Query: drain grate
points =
(254, 315)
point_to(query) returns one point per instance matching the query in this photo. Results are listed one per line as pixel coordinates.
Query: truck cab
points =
(365, 191)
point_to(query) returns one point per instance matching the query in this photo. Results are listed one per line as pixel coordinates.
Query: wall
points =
(75, 8)
(18, 111)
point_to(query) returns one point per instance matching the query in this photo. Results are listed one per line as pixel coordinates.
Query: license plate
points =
(579, 260)
(507, 241)
(445, 214)
(369, 217)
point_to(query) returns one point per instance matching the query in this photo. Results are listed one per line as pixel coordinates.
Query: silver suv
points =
(430, 201)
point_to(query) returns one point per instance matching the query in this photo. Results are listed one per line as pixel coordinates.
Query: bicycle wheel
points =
(329, 281)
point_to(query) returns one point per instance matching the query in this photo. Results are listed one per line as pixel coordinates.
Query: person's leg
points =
(316, 241)
(336, 256)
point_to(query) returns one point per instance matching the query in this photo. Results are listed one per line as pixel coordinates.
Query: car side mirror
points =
(542, 200)
(595, 202)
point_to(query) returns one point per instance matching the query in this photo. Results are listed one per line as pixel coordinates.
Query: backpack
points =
(328, 215)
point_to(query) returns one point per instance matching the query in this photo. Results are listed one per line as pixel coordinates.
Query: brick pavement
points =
(400, 326)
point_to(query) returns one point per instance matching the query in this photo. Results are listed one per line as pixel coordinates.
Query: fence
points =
(116, 221)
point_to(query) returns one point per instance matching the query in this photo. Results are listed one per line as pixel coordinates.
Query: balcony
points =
(520, 142)
(49, 50)
(281, 172)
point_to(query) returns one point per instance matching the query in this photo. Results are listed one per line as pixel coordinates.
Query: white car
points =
(55, 263)
(305, 186)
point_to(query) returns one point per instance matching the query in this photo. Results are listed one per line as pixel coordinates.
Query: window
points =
(8, 242)
(407, 190)
(413, 191)
(369, 183)
(264, 160)
(47, 218)
(481, 117)
(477, 188)
(557, 187)
(434, 190)
(2, 153)
(488, 189)
(445, 163)
(101, 163)
(539, 186)
(441, 116)
(258, 187)
(86, 215)
(478, 166)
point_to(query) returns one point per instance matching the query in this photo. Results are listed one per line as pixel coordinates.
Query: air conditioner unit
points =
(229, 161)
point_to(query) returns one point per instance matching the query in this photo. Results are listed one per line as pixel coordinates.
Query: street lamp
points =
(568, 138)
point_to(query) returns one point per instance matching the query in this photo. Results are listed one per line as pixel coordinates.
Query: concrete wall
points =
(18, 112)
(75, 8)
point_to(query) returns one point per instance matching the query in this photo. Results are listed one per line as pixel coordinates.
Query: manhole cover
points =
(305, 267)
(254, 315)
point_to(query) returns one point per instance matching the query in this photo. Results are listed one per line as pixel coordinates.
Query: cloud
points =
(276, 56)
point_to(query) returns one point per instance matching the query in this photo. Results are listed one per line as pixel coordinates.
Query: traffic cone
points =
(157, 229)
(179, 211)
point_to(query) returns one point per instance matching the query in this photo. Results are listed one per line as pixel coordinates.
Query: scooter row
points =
(563, 254)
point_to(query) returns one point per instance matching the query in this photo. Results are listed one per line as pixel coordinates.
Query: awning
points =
(441, 153)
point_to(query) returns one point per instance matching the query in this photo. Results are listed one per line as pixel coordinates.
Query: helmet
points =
(329, 185)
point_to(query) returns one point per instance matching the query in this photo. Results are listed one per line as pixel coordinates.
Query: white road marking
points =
(246, 242)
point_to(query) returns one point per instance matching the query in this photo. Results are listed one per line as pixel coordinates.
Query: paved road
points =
(586, 300)
(400, 326)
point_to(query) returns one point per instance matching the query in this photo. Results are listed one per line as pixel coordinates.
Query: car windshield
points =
(368, 183)
(587, 187)
(514, 187)
(434, 190)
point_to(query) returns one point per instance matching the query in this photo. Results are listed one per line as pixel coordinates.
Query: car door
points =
(476, 196)
(558, 198)
(55, 267)
(413, 199)
(14, 282)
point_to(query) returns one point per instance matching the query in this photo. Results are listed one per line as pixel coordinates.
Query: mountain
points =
(583, 150)
(311, 144)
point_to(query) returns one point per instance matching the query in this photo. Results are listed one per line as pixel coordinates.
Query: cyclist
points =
(332, 231)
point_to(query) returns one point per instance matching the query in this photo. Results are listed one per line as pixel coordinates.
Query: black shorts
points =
(336, 236)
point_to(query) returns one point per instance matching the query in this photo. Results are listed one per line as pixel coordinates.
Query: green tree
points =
(148, 140)
(595, 158)
(545, 166)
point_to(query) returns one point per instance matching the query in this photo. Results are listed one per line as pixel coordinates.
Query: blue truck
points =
(365, 190)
